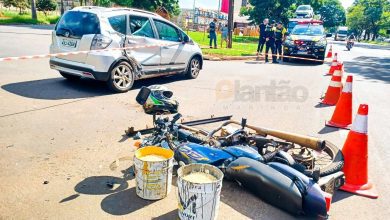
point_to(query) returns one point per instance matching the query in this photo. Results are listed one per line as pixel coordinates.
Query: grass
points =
(13, 17)
(376, 42)
(242, 45)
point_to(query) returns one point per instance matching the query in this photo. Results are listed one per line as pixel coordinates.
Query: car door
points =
(141, 33)
(171, 53)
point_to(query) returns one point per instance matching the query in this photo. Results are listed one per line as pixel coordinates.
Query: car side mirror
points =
(143, 95)
(186, 39)
(328, 35)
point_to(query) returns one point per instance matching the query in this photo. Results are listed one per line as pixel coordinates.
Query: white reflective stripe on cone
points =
(335, 84)
(347, 87)
(360, 124)
(334, 63)
(337, 73)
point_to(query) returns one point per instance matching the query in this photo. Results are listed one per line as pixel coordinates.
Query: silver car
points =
(304, 11)
(152, 46)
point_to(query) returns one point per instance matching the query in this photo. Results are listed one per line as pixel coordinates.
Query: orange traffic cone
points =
(342, 115)
(339, 70)
(334, 64)
(355, 157)
(329, 55)
(333, 92)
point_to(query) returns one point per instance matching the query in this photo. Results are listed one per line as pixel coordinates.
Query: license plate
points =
(301, 52)
(69, 43)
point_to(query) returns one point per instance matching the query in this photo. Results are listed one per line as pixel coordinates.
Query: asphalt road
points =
(68, 133)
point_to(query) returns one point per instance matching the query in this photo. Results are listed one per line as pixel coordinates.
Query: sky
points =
(213, 4)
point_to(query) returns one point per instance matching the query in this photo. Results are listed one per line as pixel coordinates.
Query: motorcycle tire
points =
(334, 166)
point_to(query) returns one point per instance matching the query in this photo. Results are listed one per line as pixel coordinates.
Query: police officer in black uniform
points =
(270, 42)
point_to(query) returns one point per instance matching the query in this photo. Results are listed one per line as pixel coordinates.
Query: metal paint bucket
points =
(153, 178)
(199, 200)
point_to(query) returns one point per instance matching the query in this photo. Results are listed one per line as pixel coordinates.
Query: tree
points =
(356, 21)
(172, 6)
(126, 3)
(332, 13)
(272, 9)
(370, 16)
(33, 10)
(20, 4)
(46, 5)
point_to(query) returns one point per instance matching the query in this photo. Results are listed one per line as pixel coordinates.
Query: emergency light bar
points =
(311, 22)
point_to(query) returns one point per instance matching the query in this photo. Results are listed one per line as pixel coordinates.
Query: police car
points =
(307, 39)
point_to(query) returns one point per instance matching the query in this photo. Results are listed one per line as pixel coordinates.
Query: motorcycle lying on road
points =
(291, 174)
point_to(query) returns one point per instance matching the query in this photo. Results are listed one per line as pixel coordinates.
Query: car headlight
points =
(288, 42)
(321, 43)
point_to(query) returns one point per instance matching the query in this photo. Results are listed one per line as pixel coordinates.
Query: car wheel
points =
(69, 76)
(286, 59)
(193, 68)
(121, 78)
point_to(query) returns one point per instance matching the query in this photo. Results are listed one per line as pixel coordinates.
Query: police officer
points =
(270, 41)
(262, 36)
(212, 33)
(280, 32)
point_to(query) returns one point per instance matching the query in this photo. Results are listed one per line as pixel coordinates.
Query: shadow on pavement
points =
(326, 130)
(124, 202)
(376, 68)
(99, 185)
(69, 198)
(57, 88)
(168, 216)
(60, 88)
(340, 195)
(320, 105)
(252, 207)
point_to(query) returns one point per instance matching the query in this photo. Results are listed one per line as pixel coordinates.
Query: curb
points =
(227, 58)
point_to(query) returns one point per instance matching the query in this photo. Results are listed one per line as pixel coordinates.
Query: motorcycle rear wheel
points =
(330, 160)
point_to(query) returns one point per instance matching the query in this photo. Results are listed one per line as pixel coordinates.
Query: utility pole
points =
(33, 10)
(230, 23)
(193, 19)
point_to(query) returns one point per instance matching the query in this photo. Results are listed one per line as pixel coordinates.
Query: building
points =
(200, 17)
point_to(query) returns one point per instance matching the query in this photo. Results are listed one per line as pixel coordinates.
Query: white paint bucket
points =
(199, 200)
(153, 178)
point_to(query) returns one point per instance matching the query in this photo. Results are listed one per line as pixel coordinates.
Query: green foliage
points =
(332, 13)
(356, 20)
(20, 4)
(272, 9)
(126, 3)
(15, 18)
(370, 16)
(46, 5)
(172, 6)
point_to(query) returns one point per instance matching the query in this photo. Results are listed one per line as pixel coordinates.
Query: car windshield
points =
(292, 24)
(311, 30)
(78, 24)
(342, 32)
(303, 8)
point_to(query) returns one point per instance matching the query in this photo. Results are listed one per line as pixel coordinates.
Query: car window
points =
(311, 30)
(141, 26)
(78, 23)
(303, 7)
(167, 31)
(118, 23)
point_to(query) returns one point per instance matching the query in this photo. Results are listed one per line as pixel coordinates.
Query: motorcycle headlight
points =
(321, 43)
